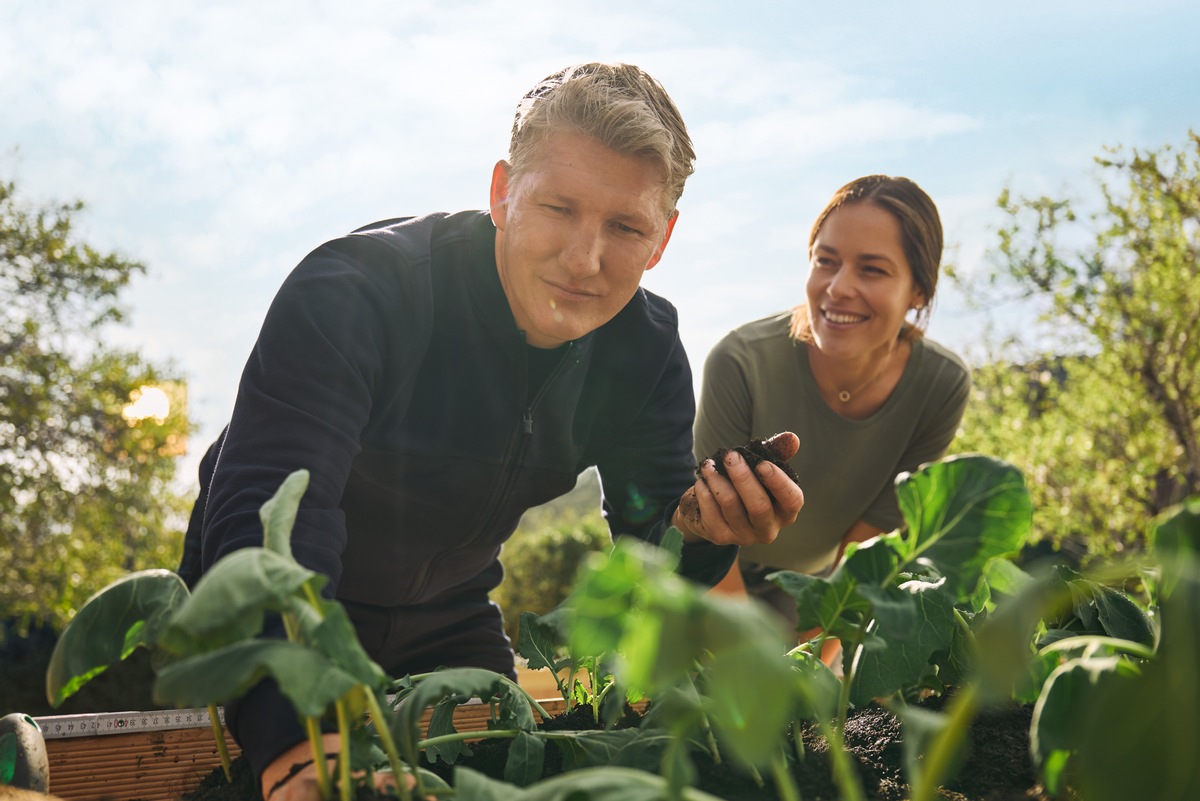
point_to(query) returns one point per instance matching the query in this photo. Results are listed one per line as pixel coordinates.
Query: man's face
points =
(575, 232)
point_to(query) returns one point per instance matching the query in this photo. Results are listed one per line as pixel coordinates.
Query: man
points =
(440, 375)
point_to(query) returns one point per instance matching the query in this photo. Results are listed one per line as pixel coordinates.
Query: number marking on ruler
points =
(100, 723)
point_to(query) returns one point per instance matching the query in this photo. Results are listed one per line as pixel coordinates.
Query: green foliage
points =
(543, 556)
(85, 496)
(208, 646)
(127, 614)
(896, 597)
(1102, 409)
(1115, 719)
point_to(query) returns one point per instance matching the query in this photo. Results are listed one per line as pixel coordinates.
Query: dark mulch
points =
(754, 453)
(997, 766)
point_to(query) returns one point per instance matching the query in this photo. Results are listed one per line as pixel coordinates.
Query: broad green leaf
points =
(126, 614)
(1121, 617)
(1155, 713)
(230, 600)
(526, 758)
(832, 603)
(749, 716)
(960, 513)
(278, 515)
(539, 640)
(817, 687)
(876, 561)
(606, 591)
(914, 621)
(1175, 540)
(309, 680)
(632, 748)
(1005, 577)
(337, 638)
(457, 685)
(662, 626)
(441, 723)
(1068, 696)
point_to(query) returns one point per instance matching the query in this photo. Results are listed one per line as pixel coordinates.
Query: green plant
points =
(896, 602)
(207, 645)
(540, 562)
(1150, 692)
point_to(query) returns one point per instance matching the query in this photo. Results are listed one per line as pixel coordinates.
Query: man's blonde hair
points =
(618, 105)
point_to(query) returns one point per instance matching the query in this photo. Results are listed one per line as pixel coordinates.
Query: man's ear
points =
(658, 251)
(498, 195)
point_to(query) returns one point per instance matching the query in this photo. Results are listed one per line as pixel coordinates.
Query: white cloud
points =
(219, 142)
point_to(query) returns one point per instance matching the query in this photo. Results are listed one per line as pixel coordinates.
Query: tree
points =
(85, 491)
(1103, 411)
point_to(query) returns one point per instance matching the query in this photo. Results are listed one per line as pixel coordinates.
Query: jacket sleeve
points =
(306, 395)
(651, 465)
(303, 401)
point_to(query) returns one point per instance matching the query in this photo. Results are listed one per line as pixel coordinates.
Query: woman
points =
(867, 393)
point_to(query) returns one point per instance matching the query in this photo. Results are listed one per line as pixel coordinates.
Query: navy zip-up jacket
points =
(389, 365)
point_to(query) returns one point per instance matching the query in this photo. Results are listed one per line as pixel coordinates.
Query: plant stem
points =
(222, 748)
(569, 695)
(946, 745)
(843, 772)
(344, 782)
(848, 671)
(490, 734)
(389, 743)
(798, 740)
(324, 784)
(785, 783)
(708, 732)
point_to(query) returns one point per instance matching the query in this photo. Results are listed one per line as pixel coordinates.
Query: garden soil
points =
(997, 766)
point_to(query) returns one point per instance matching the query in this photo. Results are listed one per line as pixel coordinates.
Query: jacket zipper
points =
(516, 446)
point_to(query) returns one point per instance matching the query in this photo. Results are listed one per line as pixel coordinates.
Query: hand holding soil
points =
(743, 495)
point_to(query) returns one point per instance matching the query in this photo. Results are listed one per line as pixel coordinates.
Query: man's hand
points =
(747, 508)
(293, 776)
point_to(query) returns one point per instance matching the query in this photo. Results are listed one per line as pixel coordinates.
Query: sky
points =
(219, 142)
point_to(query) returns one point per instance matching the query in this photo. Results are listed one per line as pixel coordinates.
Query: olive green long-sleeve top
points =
(757, 382)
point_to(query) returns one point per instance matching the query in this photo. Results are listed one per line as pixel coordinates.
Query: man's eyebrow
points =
(635, 220)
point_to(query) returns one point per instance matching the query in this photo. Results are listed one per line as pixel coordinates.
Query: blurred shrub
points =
(541, 558)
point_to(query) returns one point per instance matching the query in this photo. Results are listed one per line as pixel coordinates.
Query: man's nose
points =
(581, 256)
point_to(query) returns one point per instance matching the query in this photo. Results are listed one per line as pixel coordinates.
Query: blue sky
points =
(220, 142)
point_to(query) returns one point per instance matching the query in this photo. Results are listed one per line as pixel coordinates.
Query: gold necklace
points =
(844, 395)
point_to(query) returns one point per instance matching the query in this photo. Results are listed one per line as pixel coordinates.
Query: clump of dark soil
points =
(997, 765)
(754, 452)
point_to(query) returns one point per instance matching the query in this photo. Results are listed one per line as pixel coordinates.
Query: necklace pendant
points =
(844, 396)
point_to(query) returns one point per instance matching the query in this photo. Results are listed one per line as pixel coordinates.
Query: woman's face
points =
(860, 285)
